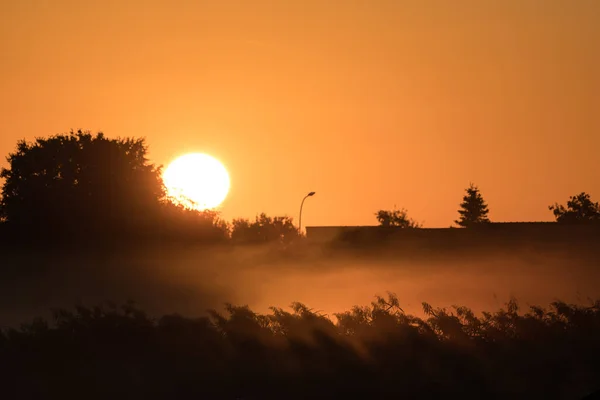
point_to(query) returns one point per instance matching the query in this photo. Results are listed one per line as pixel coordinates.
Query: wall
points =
(494, 233)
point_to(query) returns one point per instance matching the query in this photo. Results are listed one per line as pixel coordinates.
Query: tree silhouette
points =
(473, 210)
(179, 222)
(263, 229)
(580, 208)
(80, 182)
(396, 218)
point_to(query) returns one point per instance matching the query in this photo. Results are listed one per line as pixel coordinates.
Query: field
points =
(188, 334)
(191, 279)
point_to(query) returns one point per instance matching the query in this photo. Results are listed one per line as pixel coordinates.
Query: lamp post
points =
(300, 218)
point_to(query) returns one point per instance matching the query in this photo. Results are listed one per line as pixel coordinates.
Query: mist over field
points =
(299, 200)
(190, 279)
(348, 337)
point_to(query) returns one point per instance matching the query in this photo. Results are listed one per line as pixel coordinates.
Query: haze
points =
(189, 279)
(370, 104)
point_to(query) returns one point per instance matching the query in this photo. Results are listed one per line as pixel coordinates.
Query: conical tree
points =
(473, 209)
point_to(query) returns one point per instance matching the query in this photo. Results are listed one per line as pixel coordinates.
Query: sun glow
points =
(196, 181)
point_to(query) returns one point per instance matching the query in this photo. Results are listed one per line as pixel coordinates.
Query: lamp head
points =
(311, 194)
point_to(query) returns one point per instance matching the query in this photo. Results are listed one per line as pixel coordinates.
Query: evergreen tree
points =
(473, 209)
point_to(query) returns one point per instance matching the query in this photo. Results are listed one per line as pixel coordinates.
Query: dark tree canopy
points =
(396, 218)
(473, 210)
(80, 184)
(263, 229)
(179, 222)
(69, 180)
(579, 209)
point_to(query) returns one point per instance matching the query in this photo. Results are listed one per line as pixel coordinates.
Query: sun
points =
(196, 181)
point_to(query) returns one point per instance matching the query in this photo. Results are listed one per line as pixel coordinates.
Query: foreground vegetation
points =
(376, 351)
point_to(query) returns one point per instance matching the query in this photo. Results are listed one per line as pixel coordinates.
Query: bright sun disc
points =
(197, 181)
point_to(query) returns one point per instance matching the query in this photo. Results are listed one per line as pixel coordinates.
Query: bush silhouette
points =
(579, 209)
(396, 218)
(376, 351)
(263, 229)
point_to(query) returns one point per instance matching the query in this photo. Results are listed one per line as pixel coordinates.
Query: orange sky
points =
(369, 103)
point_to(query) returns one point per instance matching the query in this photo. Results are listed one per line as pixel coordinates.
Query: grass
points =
(374, 351)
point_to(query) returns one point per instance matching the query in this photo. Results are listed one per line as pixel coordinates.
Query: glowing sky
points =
(369, 103)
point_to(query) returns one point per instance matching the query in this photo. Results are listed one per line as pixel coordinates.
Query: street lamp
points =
(300, 218)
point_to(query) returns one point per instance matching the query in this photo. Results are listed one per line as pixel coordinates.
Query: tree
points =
(179, 221)
(396, 218)
(80, 182)
(263, 229)
(580, 208)
(473, 210)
